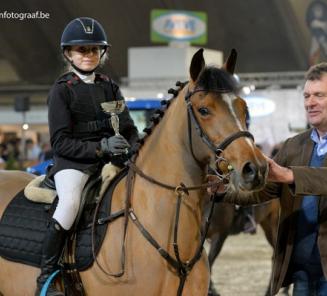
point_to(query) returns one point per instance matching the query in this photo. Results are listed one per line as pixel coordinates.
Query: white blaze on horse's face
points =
(247, 162)
(229, 99)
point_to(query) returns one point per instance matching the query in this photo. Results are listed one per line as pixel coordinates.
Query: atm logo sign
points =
(170, 25)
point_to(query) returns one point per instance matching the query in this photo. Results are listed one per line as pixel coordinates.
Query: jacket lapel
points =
(305, 160)
(307, 152)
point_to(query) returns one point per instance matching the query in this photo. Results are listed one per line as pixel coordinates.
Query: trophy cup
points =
(113, 109)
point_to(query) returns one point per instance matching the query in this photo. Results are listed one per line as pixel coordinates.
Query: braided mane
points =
(157, 116)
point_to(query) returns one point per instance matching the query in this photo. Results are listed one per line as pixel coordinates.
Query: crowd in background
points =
(13, 155)
(18, 155)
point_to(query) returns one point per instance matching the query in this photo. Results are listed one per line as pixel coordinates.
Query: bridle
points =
(217, 149)
(181, 191)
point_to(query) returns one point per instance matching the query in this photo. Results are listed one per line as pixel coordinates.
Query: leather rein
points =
(181, 191)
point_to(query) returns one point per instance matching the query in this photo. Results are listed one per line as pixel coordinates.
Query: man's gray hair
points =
(315, 72)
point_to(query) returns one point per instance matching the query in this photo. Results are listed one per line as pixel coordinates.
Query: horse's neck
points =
(166, 154)
(166, 157)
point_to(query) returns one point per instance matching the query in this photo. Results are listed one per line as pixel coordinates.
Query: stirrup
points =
(46, 285)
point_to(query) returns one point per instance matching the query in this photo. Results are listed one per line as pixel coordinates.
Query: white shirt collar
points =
(85, 78)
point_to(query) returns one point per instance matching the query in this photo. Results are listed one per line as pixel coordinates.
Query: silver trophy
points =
(113, 109)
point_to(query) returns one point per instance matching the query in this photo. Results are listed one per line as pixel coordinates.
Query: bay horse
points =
(225, 221)
(163, 194)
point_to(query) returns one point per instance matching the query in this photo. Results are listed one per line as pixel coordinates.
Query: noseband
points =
(217, 149)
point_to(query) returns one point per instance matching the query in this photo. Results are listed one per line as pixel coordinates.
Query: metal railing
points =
(273, 79)
(259, 80)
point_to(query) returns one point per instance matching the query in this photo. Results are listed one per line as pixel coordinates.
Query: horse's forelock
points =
(212, 78)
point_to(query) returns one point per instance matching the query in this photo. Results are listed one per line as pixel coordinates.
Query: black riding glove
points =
(114, 145)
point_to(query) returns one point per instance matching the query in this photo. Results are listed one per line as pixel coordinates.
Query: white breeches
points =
(69, 185)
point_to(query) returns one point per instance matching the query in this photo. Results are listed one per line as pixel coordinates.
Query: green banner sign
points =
(175, 25)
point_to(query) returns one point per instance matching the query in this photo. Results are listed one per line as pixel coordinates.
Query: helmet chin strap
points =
(80, 70)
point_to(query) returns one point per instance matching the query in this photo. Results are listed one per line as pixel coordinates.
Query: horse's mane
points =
(219, 80)
(156, 117)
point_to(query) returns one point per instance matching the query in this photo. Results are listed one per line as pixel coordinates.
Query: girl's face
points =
(85, 57)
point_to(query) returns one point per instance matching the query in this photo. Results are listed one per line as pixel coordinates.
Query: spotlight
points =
(25, 126)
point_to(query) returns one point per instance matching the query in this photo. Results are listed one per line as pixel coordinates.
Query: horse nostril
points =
(249, 172)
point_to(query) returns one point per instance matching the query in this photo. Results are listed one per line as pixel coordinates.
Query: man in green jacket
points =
(298, 176)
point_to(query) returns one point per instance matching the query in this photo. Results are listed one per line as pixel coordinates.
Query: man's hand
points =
(278, 173)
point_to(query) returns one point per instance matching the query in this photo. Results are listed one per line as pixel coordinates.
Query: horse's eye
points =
(204, 111)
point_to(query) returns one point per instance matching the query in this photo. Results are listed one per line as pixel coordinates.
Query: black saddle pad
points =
(24, 223)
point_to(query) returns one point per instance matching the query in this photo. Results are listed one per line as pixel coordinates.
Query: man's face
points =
(315, 103)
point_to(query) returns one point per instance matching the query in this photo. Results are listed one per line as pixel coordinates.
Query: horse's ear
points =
(197, 64)
(229, 65)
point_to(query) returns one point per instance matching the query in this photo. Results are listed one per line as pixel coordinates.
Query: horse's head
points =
(218, 115)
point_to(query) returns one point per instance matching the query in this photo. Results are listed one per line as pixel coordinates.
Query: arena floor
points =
(244, 265)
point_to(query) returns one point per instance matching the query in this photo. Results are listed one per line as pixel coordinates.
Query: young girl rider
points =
(80, 133)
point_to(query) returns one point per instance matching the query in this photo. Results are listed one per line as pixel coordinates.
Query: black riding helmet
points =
(84, 31)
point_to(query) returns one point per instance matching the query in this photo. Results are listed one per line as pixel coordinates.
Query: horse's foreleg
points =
(212, 290)
(217, 242)
(269, 226)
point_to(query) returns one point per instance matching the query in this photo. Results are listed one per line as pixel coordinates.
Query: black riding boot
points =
(52, 248)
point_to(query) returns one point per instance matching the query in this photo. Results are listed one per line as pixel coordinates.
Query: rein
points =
(182, 268)
(182, 187)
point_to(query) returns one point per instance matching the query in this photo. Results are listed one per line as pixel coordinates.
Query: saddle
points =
(24, 223)
(43, 189)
